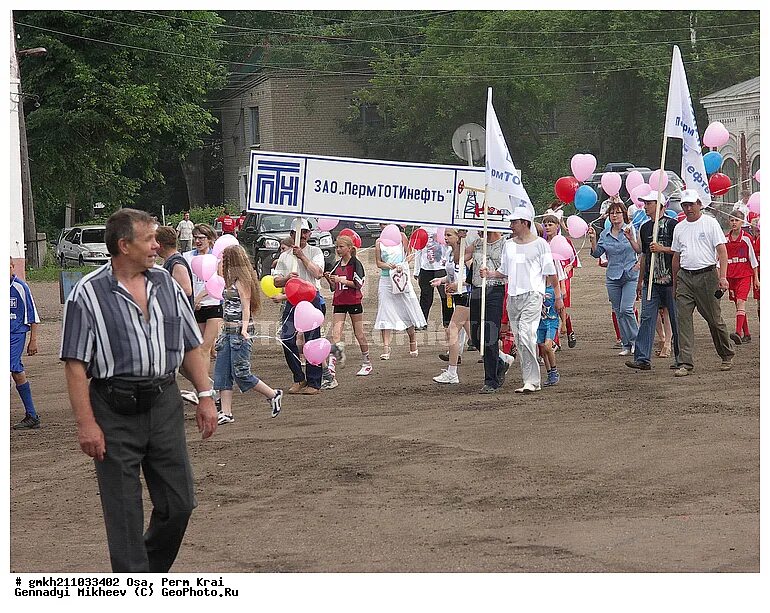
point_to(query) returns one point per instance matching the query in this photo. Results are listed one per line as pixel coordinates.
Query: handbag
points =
(399, 281)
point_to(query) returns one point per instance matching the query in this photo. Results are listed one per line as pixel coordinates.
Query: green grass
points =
(50, 273)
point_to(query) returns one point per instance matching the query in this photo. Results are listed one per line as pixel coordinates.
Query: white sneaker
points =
(626, 351)
(527, 389)
(366, 369)
(189, 396)
(445, 377)
(224, 418)
(329, 384)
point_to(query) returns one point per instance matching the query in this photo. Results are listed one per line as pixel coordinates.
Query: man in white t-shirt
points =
(184, 231)
(527, 263)
(698, 246)
(310, 267)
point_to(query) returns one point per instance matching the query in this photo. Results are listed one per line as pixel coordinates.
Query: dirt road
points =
(612, 470)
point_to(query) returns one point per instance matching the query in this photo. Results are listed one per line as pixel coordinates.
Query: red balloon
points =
(681, 216)
(719, 184)
(419, 239)
(565, 189)
(298, 290)
(353, 236)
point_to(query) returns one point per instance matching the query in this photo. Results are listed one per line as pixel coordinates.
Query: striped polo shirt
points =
(106, 329)
(23, 309)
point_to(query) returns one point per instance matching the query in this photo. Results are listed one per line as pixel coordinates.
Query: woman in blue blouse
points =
(618, 244)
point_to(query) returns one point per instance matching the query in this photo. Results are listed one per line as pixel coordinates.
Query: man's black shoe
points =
(487, 389)
(638, 365)
(736, 339)
(28, 423)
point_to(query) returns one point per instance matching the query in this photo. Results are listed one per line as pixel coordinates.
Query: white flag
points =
(501, 174)
(680, 123)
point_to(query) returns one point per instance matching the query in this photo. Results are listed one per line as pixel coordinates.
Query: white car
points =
(82, 246)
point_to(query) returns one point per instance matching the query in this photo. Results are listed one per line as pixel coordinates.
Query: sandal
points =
(413, 352)
(665, 352)
(386, 354)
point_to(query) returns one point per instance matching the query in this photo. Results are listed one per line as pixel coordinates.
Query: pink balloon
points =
(638, 192)
(656, 177)
(316, 351)
(577, 226)
(195, 265)
(715, 135)
(753, 203)
(327, 223)
(561, 248)
(222, 243)
(208, 266)
(756, 177)
(390, 235)
(583, 166)
(633, 179)
(215, 285)
(611, 182)
(307, 317)
(441, 236)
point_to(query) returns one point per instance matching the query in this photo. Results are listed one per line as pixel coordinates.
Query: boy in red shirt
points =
(228, 223)
(742, 266)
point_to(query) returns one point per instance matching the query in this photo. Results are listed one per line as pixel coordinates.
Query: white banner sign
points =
(372, 190)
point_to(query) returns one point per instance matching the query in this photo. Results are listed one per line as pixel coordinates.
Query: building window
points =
(370, 118)
(754, 169)
(254, 123)
(730, 168)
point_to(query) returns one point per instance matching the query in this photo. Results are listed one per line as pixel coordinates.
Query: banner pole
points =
(484, 279)
(657, 218)
(297, 237)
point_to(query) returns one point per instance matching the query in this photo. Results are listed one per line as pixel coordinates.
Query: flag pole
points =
(657, 216)
(484, 279)
(297, 237)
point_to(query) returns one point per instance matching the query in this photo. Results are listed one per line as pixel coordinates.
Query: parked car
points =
(369, 231)
(672, 190)
(82, 246)
(262, 233)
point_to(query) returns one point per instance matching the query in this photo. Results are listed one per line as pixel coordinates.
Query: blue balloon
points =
(712, 161)
(670, 213)
(639, 218)
(585, 197)
(607, 224)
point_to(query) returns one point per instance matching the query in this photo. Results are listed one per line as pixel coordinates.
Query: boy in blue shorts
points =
(24, 318)
(546, 333)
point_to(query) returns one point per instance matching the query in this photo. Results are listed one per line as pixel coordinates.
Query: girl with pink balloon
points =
(242, 299)
(346, 280)
(208, 308)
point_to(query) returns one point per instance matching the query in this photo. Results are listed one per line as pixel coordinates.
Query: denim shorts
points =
(548, 328)
(233, 363)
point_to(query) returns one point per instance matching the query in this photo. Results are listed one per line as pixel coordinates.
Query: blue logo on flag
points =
(277, 182)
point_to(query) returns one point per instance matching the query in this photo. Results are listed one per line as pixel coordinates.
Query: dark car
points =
(369, 231)
(262, 233)
(672, 190)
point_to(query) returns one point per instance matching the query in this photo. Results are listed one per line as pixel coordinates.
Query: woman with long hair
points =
(242, 299)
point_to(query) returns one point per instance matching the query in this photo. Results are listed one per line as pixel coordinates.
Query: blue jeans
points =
(288, 335)
(622, 293)
(233, 363)
(661, 296)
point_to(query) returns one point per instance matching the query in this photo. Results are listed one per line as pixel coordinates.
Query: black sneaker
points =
(736, 339)
(638, 365)
(275, 403)
(445, 357)
(571, 340)
(746, 339)
(28, 423)
(488, 389)
(471, 347)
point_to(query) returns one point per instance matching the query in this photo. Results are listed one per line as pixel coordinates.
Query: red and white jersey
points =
(741, 260)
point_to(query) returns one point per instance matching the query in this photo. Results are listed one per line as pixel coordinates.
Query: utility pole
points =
(28, 209)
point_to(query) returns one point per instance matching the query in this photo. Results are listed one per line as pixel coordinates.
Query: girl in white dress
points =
(399, 311)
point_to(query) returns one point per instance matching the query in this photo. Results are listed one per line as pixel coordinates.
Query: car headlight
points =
(94, 254)
(271, 243)
(326, 241)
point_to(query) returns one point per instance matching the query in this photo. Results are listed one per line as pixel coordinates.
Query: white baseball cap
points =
(689, 195)
(303, 226)
(652, 197)
(520, 212)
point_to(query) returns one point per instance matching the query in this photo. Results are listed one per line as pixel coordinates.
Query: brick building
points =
(273, 111)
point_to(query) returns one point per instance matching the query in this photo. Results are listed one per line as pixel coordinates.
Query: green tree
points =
(116, 90)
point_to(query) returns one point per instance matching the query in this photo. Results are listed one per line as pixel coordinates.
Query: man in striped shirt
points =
(128, 327)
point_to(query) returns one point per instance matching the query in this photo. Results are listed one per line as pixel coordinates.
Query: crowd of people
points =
(505, 295)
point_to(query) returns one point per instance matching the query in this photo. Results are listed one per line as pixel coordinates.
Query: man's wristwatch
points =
(206, 394)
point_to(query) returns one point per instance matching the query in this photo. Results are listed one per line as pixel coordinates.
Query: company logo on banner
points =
(374, 190)
(680, 123)
(277, 182)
